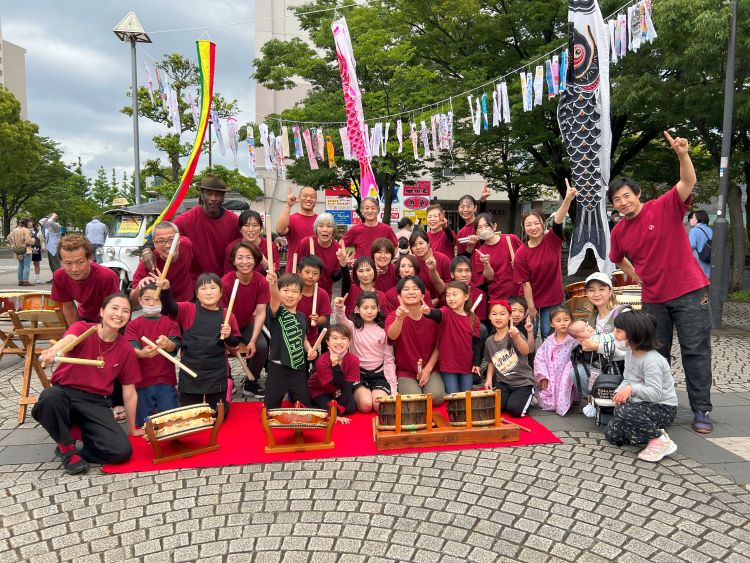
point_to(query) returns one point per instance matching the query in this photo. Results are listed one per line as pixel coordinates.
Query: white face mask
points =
(485, 234)
(622, 345)
(152, 310)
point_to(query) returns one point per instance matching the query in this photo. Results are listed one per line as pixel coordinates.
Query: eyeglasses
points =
(164, 241)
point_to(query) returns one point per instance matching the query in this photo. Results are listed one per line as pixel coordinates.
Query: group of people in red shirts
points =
(429, 305)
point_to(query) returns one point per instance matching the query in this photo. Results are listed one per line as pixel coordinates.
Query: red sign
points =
(416, 202)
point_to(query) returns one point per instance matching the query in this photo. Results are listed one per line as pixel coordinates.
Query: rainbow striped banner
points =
(206, 66)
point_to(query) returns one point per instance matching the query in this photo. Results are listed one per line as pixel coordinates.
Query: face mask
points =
(485, 234)
(622, 345)
(151, 310)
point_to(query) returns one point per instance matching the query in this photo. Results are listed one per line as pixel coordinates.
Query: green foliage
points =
(739, 296)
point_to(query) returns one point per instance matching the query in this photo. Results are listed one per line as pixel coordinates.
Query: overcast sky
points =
(78, 72)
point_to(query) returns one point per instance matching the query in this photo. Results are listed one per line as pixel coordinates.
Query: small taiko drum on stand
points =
(171, 425)
(475, 406)
(12, 300)
(298, 419)
(404, 412)
(631, 295)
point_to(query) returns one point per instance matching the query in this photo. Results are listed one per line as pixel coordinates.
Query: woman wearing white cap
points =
(604, 308)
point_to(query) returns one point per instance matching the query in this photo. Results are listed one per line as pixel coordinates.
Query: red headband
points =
(503, 302)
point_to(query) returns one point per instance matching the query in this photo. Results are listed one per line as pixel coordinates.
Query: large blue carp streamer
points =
(583, 116)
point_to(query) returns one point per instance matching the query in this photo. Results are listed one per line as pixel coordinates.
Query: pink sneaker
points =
(657, 449)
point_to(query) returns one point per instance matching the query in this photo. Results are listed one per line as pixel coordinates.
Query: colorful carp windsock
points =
(355, 118)
(206, 66)
(583, 116)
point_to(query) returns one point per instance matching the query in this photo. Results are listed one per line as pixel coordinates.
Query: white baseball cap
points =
(600, 277)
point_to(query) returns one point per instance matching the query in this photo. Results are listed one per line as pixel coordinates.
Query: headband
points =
(503, 302)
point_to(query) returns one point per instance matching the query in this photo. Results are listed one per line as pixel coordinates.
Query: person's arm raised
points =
(562, 211)
(282, 224)
(681, 147)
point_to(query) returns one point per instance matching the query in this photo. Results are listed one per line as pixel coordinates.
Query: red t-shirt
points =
(249, 296)
(262, 246)
(443, 267)
(656, 243)
(361, 237)
(463, 232)
(439, 243)
(327, 255)
(416, 341)
(210, 236)
(89, 293)
(351, 301)
(300, 226)
(391, 300)
(502, 286)
(180, 279)
(321, 381)
(388, 280)
(454, 341)
(158, 369)
(323, 309)
(542, 267)
(186, 316)
(119, 357)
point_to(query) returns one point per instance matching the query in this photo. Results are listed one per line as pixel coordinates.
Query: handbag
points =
(19, 250)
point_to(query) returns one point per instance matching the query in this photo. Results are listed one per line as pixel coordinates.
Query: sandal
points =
(72, 467)
(119, 413)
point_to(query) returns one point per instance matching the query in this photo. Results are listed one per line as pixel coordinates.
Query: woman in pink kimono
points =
(552, 365)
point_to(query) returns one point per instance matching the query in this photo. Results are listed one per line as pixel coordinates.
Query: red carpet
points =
(243, 441)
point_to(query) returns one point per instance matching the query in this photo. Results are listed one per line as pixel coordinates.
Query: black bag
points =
(605, 386)
(705, 254)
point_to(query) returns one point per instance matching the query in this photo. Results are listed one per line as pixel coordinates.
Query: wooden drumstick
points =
(477, 302)
(506, 421)
(243, 365)
(231, 302)
(168, 262)
(80, 361)
(269, 245)
(294, 263)
(312, 247)
(315, 302)
(320, 339)
(68, 347)
(419, 367)
(170, 357)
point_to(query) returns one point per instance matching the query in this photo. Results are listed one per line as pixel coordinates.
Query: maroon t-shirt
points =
(351, 301)
(361, 237)
(439, 243)
(180, 279)
(321, 381)
(416, 341)
(454, 341)
(656, 243)
(300, 226)
(119, 357)
(210, 237)
(158, 369)
(387, 280)
(391, 301)
(542, 267)
(249, 296)
(89, 293)
(323, 309)
(463, 232)
(443, 267)
(327, 255)
(503, 285)
(262, 246)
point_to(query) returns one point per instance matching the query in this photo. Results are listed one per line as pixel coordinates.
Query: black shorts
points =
(374, 380)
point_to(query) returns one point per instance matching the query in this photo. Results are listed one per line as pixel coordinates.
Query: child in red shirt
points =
(335, 373)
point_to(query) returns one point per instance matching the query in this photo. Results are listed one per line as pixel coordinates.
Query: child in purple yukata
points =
(552, 366)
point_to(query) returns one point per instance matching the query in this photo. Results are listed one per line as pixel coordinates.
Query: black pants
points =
(321, 402)
(637, 423)
(59, 407)
(54, 262)
(283, 379)
(212, 399)
(514, 400)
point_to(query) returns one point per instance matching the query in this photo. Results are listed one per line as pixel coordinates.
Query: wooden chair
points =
(32, 327)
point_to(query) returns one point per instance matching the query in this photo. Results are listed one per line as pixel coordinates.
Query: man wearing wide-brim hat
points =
(209, 226)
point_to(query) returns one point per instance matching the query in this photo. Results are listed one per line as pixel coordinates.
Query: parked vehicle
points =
(122, 250)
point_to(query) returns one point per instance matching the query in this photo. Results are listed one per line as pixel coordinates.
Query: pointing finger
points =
(669, 138)
(567, 184)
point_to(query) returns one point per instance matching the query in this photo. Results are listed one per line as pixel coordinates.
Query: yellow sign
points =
(128, 225)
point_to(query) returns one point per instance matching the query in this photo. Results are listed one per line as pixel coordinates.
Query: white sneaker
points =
(37, 280)
(657, 449)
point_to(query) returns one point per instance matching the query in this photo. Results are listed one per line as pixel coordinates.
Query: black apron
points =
(204, 352)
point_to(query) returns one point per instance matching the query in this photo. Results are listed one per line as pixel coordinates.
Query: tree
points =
(102, 192)
(184, 77)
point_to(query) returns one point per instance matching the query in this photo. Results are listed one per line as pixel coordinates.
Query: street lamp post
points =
(131, 30)
(721, 225)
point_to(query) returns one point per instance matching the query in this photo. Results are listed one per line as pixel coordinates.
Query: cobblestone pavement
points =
(582, 500)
